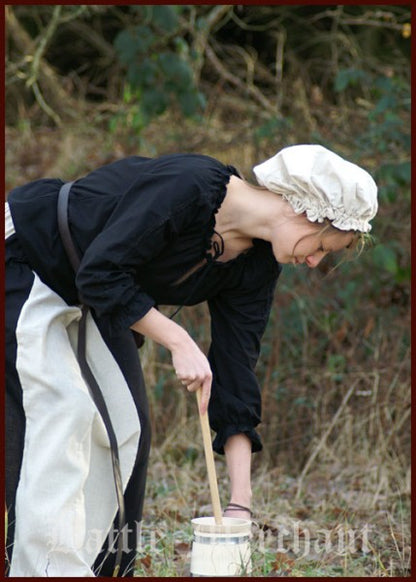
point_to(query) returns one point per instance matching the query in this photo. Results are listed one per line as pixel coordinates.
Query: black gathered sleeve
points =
(238, 321)
(108, 279)
(177, 193)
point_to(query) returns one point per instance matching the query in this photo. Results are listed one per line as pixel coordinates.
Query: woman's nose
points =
(313, 260)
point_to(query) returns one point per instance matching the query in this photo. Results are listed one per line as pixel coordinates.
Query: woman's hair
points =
(359, 241)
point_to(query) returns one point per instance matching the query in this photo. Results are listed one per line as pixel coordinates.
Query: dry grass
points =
(351, 519)
(351, 516)
(332, 485)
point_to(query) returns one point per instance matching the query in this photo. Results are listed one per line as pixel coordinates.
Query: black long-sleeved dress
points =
(140, 226)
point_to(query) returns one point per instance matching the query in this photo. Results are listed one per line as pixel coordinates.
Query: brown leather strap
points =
(237, 507)
(64, 226)
(89, 378)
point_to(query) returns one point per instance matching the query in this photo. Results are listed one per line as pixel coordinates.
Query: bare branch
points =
(44, 106)
(43, 80)
(45, 37)
(236, 81)
(201, 36)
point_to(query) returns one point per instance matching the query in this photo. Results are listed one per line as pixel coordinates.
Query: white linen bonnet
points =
(321, 183)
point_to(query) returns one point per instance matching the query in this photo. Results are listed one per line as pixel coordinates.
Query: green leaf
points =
(385, 257)
(181, 46)
(144, 38)
(154, 102)
(386, 103)
(395, 173)
(175, 69)
(165, 18)
(346, 77)
(146, 72)
(124, 44)
(384, 84)
(130, 43)
(404, 275)
(189, 103)
(336, 363)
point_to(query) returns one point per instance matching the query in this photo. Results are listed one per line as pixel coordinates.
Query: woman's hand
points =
(193, 370)
(191, 365)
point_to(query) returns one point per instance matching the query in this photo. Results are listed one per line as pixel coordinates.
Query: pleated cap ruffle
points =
(321, 183)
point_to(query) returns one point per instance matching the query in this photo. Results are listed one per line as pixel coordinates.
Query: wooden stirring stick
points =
(209, 458)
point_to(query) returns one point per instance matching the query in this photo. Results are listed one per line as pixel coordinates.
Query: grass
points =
(348, 514)
(332, 530)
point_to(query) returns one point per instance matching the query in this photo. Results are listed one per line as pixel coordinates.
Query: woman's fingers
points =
(205, 386)
(205, 394)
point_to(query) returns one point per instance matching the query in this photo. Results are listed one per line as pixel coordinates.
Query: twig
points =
(201, 37)
(45, 38)
(227, 76)
(280, 45)
(43, 105)
(367, 19)
(254, 27)
(322, 440)
(41, 77)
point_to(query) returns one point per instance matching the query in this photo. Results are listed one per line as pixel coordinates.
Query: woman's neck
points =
(248, 213)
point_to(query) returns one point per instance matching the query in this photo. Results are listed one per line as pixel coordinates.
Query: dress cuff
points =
(225, 433)
(125, 315)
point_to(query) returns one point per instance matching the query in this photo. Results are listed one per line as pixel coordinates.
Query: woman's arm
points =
(238, 455)
(191, 365)
(192, 368)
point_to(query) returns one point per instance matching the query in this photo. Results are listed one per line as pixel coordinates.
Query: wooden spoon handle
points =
(209, 458)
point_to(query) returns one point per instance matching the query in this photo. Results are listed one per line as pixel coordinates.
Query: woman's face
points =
(305, 243)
